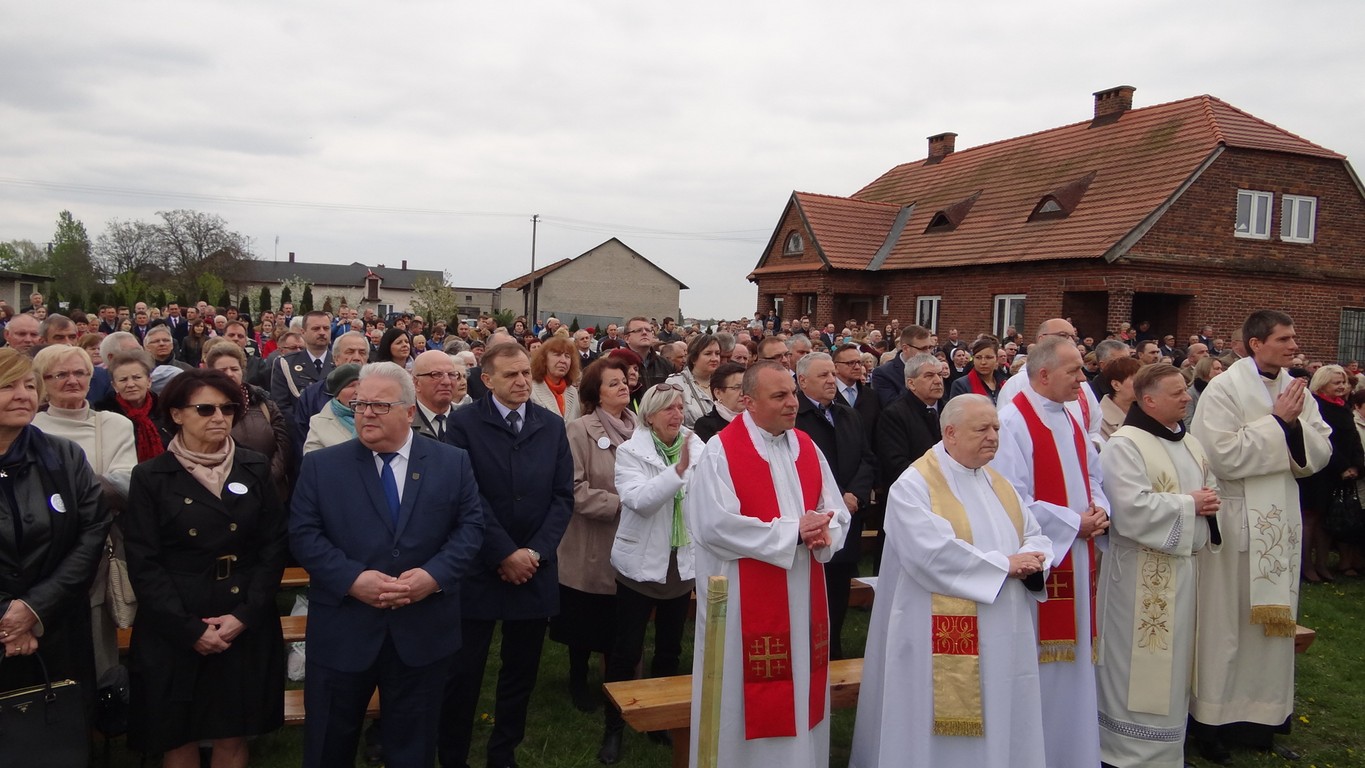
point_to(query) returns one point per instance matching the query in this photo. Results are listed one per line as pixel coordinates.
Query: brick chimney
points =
(941, 145)
(1113, 102)
(291, 257)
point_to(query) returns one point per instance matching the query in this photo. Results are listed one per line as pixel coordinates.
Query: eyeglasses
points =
(378, 409)
(638, 330)
(727, 389)
(920, 349)
(666, 387)
(64, 375)
(441, 375)
(1063, 335)
(850, 363)
(778, 356)
(206, 410)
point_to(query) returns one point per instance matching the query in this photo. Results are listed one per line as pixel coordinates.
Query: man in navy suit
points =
(388, 527)
(525, 473)
(888, 379)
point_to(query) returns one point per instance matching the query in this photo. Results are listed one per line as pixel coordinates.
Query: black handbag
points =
(1344, 519)
(43, 726)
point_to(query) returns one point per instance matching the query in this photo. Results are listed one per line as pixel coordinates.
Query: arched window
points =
(794, 245)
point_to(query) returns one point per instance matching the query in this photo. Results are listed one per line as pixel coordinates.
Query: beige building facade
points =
(609, 283)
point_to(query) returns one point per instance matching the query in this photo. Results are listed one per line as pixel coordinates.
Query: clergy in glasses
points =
(389, 527)
(765, 511)
(951, 670)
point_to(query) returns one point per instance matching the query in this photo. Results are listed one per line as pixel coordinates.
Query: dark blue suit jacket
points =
(340, 525)
(526, 485)
(888, 380)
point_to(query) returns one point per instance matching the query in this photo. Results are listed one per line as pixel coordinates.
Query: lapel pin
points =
(416, 475)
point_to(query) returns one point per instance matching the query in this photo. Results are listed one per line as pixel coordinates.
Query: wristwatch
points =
(534, 554)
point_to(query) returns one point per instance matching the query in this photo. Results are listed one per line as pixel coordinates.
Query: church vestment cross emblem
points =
(1059, 587)
(767, 657)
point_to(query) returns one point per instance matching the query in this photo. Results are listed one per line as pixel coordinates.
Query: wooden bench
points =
(293, 627)
(294, 712)
(294, 578)
(665, 703)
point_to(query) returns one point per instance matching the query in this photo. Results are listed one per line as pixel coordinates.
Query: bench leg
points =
(682, 744)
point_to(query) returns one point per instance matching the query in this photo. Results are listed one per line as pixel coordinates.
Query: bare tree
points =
(192, 243)
(127, 246)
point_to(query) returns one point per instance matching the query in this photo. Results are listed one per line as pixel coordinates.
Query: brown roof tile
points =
(518, 283)
(1138, 161)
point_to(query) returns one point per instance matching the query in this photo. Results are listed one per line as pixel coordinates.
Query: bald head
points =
(1056, 327)
(22, 333)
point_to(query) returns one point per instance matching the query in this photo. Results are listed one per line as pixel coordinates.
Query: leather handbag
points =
(118, 597)
(43, 726)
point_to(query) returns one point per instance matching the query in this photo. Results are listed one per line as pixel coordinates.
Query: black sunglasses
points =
(230, 410)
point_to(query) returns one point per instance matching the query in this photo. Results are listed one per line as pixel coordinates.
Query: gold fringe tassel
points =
(945, 726)
(1056, 650)
(1276, 620)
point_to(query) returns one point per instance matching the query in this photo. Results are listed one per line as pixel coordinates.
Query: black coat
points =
(845, 446)
(56, 563)
(526, 489)
(868, 406)
(176, 533)
(710, 424)
(1316, 490)
(907, 430)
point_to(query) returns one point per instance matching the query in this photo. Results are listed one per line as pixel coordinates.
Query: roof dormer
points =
(948, 219)
(1060, 202)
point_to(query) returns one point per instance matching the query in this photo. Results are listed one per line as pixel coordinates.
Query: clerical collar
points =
(1143, 421)
(1271, 376)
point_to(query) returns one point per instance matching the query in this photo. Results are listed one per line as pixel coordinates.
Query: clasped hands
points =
(1025, 564)
(380, 590)
(1206, 502)
(815, 528)
(518, 567)
(1094, 522)
(16, 629)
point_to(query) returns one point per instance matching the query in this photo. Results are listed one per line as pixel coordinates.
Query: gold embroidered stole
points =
(1152, 655)
(956, 649)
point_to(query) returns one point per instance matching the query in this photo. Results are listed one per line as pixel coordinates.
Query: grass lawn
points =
(1327, 727)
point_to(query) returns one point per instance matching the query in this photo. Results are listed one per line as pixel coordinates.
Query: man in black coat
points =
(888, 379)
(293, 373)
(838, 432)
(525, 473)
(909, 427)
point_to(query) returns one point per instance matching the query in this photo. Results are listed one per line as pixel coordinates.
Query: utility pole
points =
(531, 289)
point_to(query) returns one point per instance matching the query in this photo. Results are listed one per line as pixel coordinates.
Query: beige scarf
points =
(210, 469)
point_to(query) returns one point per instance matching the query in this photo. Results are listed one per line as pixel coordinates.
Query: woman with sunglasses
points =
(205, 533)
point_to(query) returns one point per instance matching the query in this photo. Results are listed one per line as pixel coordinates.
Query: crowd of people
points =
(1028, 499)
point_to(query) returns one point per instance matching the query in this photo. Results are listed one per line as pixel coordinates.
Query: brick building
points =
(1184, 214)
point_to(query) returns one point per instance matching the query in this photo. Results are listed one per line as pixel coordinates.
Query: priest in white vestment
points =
(1047, 455)
(936, 689)
(1163, 494)
(1085, 406)
(1261, 431)
(783, 669)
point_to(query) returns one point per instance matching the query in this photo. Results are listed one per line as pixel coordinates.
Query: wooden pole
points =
(708, 728)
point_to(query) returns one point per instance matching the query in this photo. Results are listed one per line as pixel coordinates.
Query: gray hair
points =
(799, 340)
(166, 329)
(955, 412)
(1109, 348)
(116, 341)
(916, 365)
(53, 322)
(336, 343)
(392, 372)
(455, 345)
(655, 400)
(726, 340)
(1047, 354)
(803, 365)
(466, 358)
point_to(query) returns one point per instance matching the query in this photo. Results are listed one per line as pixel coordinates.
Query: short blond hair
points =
(15, 365)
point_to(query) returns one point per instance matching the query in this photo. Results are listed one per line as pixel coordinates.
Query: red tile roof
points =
(1139, 161)
(518, 283)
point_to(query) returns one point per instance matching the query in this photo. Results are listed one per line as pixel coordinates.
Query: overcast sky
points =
(432, 131)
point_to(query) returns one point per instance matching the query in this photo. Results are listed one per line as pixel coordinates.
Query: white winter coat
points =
(646, 486)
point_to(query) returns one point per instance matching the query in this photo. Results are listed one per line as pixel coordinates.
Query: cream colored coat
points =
(325, 430)
(542, 396)
(585, 550)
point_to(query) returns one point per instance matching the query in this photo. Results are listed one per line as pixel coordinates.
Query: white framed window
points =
(810, 304)
(886, 305)
(794, 244)
(778, 301)
(1253, 214)
(926, 312)
(1009, 311)
(1297, 218)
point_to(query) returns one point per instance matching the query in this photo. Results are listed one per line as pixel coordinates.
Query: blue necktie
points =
(390, 486)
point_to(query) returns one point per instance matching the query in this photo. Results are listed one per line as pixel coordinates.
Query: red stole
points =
(1057, 616)
(978, 386)
(765, 621)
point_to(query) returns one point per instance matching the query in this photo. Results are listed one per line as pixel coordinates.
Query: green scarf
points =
(670, 453)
